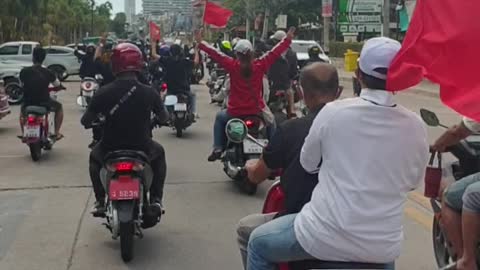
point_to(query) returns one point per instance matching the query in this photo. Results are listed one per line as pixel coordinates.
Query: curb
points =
(416, 91)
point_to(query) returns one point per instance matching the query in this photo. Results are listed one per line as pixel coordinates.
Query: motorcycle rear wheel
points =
(127, 232)
(35, 151)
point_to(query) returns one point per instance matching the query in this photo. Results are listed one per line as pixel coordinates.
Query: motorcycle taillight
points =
(32, 120)
(125, 166)
(250, 123)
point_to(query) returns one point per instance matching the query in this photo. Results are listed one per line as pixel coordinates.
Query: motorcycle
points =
(275, 203)
(468, 154)
(88, 87)
(38, 127)
(127, 177)
(4, 106)
(197, 75)
(181, 115)
(278, 105)
(246, 138)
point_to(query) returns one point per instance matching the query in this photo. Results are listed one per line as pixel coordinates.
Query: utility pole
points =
(265, 22)
(326, 34)
(93, 10)
(386, 18)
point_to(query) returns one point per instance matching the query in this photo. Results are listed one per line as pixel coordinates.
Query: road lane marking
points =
(418, 198)
(419, 217)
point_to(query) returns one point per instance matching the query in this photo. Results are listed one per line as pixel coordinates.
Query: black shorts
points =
(52, 105)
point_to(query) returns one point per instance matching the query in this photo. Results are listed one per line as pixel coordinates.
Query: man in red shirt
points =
(246, 83)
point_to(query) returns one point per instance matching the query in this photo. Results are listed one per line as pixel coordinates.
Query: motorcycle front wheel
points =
(35, 151)
(441, 245)
(127, 232)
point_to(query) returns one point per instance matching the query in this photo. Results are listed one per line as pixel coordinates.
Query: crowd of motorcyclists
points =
(346, 167)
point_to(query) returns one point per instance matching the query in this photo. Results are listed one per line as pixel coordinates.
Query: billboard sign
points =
(360, 16)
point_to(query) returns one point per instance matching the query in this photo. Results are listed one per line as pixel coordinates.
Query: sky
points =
(119, 5)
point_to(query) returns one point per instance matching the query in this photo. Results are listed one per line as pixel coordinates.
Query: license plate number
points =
(124, 189)
(32, 131)
(250, 147)
(180, 107)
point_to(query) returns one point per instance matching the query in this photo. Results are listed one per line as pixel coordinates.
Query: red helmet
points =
(126, 57)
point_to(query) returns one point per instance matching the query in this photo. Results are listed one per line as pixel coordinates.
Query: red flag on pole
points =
(216, 15)
(442, 45)
(154, 32)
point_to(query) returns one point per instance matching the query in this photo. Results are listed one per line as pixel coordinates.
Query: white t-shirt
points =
(373, 152)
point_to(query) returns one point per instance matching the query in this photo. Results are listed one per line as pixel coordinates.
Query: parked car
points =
(60, 59)
(9, 73)
(79, 46)
(4, 107)
(300, 47)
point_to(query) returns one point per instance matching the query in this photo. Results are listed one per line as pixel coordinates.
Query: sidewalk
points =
(425, 88)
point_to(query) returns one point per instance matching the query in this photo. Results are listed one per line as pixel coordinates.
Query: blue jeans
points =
(275, 242)
(219, 136)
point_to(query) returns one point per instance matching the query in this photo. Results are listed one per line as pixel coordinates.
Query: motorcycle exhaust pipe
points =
(233, 171)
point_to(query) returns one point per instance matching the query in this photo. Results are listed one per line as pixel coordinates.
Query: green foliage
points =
(338, 49)
(68, 20)
(118, 25)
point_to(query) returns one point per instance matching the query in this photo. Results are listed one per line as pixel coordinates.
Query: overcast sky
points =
(119, 5)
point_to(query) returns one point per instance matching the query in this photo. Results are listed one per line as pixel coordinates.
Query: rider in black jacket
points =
(128, 122)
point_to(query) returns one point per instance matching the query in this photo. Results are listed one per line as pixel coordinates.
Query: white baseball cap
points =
(243, 46)
(279, 35)
(378, 53)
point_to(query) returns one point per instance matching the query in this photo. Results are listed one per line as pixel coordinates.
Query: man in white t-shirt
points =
(373, 152)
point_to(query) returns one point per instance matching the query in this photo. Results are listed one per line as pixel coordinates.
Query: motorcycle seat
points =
(317, 264)
(38, 110)
(122, 154)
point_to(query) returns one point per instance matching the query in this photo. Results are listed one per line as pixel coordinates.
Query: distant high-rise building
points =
(159, 6)
(130, 9)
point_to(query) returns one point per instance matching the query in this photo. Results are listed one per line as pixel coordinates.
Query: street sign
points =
(281, 21)
(360, 16)
(327, 8)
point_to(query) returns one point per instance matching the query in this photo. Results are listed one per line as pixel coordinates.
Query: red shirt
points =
(246, 95)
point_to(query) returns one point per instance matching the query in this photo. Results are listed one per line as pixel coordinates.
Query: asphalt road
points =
(44, 220)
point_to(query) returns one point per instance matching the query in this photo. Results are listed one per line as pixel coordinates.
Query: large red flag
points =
(216, 15)
(442, 45)
(155, 33)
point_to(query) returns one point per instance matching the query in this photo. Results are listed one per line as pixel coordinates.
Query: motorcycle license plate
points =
(180, 107)
(32, 131)
(250, 147)
(124, 188)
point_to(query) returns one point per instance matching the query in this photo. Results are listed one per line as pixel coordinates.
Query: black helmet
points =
(314, 51)
(176, 50)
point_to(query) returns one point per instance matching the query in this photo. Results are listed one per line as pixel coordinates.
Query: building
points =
(130, 9)
(161, 6)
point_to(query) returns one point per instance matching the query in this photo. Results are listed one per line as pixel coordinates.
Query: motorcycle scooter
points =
(4, 106)
(88, 87)
(467, 153)
(39, 126)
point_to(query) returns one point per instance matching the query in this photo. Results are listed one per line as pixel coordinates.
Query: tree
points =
(118, 25)
(66, 19)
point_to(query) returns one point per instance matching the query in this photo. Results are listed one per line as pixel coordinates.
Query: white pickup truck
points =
(60, 59)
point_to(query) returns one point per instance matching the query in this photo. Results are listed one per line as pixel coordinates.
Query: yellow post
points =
(351, 60)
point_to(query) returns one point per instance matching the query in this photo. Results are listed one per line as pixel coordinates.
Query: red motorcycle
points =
(274, 203)
(38, 127)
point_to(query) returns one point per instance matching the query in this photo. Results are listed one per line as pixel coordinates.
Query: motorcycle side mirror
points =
(98, 77)
(430, 118)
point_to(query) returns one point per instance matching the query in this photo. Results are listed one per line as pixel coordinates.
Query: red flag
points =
(154, 32)
(216, 15)
(442, 45)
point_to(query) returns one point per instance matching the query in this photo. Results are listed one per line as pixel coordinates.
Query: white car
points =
(60, 59)
(300, 47)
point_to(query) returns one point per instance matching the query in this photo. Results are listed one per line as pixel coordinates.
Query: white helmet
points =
(235, 41)
(279, 35)
(243, 46)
